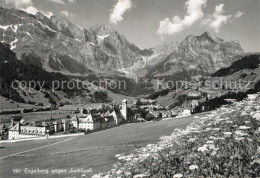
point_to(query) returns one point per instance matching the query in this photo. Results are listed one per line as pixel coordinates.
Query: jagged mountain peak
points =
(206, 34)
(63, 22)
(209, 36)
(58, 17)
(58, 45)
(102, 30)
(205, 53)
(190, 38)
(40, 15)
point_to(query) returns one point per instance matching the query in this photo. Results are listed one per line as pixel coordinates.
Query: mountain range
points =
(41, 48)
(57, 45)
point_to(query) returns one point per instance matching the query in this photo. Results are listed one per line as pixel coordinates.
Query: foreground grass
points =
(222, 144)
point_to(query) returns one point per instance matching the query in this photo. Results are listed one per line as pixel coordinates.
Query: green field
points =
(100, 156)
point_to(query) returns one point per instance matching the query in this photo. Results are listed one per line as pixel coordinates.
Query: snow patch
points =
(13, 44)
(123, 70)
(102, 37)
(28, 34)
(5, 27)
(15, 27)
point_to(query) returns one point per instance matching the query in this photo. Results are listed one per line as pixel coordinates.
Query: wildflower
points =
(243, 127)
(141, 176)
(193, 167)
(178, 176)
(202, 149)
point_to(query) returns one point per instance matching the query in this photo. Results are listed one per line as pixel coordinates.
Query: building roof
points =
(17, 118)
(16, 127)
(32, 130)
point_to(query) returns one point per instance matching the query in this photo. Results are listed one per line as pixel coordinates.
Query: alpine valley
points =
(57, 49)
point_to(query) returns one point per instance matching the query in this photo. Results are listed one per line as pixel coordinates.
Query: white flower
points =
(240, 133)
(117, 155)
(141, 176)
(178, 176)
(243, 127)
(213, 153)
(202, 149)
(244, 113)
(216, 129)
(210, 142)
(257, 116)
(227, 133)
(193, 167)
(118, 172)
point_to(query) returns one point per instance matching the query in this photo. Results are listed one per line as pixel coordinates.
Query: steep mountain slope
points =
(201, 54)
(59, 45)
(249, 62)
(36, 85)
(56, 44)
(6, 54)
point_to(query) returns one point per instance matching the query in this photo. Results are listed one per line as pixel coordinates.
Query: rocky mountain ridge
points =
(55, 44)
(205, 54)
(63, 46)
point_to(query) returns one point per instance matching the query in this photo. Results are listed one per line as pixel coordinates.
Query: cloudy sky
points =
(147, 22)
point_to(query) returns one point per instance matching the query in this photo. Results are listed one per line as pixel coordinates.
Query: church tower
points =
(123, 109)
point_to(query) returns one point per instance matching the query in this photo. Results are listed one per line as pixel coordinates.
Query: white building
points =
(184, 113)
(19, 131)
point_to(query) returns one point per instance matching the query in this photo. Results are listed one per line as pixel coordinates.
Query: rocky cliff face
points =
(206, 53)
(56, 44)
(62, 46)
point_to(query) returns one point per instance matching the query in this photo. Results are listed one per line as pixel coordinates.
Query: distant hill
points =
(248, 62)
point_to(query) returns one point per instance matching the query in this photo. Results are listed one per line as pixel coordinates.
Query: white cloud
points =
(176, 24)
(32, 10)
(238, 14)
(119, 9)
(66, 14)
(57, 1)
(219, 18)
(19, 3)
(71, 1)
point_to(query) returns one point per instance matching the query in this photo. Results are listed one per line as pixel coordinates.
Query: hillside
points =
(46, 87)
(240, 77)
(247, 63)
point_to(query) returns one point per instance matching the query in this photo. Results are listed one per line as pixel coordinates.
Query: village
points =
(89, 119)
